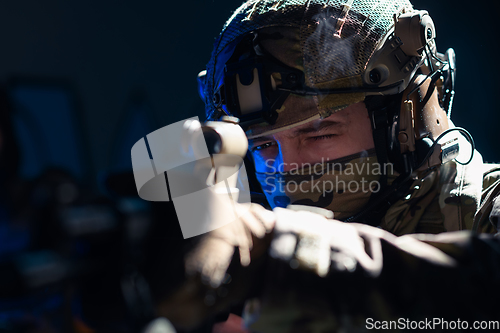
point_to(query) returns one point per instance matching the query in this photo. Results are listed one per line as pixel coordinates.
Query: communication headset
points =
(417, 116)
(407, 125)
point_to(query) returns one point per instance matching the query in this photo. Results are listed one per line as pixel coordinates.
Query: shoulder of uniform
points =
(491, 174)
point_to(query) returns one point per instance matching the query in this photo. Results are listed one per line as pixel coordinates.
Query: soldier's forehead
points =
(312, 127)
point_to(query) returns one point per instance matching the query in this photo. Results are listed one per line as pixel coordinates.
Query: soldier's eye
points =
(263, 146)
(322, 137)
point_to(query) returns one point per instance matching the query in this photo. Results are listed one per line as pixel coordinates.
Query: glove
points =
(312, 242)
(212, 256)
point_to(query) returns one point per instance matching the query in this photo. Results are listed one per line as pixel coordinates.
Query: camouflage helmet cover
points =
(337, 39)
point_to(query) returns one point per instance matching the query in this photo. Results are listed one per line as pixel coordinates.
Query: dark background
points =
(112, 57)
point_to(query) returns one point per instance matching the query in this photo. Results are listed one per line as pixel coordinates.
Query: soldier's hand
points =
(312, 242)
(212, 256)
(192, 302)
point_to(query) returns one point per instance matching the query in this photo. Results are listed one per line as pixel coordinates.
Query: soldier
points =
(346, 105)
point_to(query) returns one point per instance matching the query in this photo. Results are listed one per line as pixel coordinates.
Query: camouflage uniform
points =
(454, 197)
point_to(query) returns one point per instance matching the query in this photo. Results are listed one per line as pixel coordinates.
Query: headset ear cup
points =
(429, 30)
(416, 30)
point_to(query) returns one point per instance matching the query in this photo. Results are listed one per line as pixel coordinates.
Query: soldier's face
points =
(343, 133)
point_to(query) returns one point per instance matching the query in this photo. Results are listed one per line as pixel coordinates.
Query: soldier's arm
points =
(374, 274)
(344, 269)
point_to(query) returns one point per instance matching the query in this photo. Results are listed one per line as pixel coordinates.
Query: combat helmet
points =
(382, 52)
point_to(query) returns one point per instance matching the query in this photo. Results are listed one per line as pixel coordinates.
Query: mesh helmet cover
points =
(331, 57)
